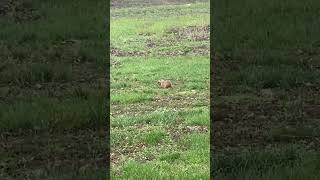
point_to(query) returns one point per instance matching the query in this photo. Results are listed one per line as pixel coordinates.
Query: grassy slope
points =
(267, 89)
(52, 90)
(159, 133)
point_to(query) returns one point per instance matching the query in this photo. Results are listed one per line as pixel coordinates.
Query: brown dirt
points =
(172, 36)
(241, 126)
(175, 102)
(312, 111)
(29, 151)
(121, 53)
(196, 33)
(20, 11)
(245, 125)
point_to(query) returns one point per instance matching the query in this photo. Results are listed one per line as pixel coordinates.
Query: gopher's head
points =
(160, 81)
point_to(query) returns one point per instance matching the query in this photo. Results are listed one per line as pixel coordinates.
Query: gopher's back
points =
(165, 83)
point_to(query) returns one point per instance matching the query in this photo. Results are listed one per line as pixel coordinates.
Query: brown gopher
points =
(165, 83)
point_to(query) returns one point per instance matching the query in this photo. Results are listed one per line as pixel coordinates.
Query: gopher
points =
(165, 83)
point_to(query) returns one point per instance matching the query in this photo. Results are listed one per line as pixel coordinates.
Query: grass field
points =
(52, 89)
(266, 89)
(160, 133)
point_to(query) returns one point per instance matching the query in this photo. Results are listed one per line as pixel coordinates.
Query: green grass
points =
(32, 73)
(41, 114)
(266, 81)
(132, 97)
(163, 170)
(59, 47)
(199, 117)
(125, 30)
(52, 63)
(275, 46)
(285, 163)
(160, 133)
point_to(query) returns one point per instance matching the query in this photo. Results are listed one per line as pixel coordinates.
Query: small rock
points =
(308, 84)
(299, 51)
(38, 86)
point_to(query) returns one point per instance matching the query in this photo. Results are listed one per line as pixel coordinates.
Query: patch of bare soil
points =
(143, 3)
(246, 128)
(201, 50)
(312, 111)
(28, 152)
(121, 53)
(198, 50)
(244, 125)
(20, 11)
(195, 33)
(177, 35)
(172, 37)
(172, 102)
(239, 125)
(247, 125)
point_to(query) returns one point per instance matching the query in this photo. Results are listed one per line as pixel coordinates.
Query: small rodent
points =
(165, 83)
